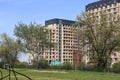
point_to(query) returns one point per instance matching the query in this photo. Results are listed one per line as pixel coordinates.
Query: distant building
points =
(67, 48)
(63, 35)
(107, 6)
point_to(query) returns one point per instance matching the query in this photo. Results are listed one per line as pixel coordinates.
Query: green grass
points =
(64, 75)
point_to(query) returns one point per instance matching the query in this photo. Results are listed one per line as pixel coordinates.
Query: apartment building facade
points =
(106, 6)
(66, 44)
(109, 7)
(63, 35)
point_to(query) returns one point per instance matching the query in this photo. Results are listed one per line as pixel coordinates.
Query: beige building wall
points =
(52, 54)
(112, 8)
(67, 40)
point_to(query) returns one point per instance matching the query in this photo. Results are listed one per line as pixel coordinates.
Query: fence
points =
(11, 70)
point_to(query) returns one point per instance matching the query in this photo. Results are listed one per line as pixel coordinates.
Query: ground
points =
(64, 75)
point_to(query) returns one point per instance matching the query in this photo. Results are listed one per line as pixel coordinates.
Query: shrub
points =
(57, 67)
(88, 68)
(43, 64)
(1, 64)
(116, 67)
(80, 66)
(67, 66)
(21, 65)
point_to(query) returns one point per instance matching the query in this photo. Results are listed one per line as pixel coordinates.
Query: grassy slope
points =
(68, 75)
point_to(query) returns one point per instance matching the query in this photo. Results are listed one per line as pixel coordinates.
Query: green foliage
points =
(101, 35)
(21, 65)
(80, 66)
(63, 75)
(1, 64)
(43, 64)
(34, 37)
(116, 67)
(67, 66)
(57, 67)
(88, 68)
(9, 49)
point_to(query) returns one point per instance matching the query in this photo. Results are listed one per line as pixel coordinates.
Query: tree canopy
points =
(9, 49)
(34, 37)
(101, 34)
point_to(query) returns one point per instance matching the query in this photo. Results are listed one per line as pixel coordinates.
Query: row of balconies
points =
(105, 6)
(67, 57)
(68, 53)
(67, 60)
(68, 35)
(70, 44)
(97, 13)
(101, 9)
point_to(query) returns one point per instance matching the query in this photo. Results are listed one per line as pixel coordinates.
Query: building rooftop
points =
(100, 3)
(59, 21)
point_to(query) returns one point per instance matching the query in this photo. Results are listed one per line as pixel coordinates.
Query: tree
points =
(34, 38)
(9, 49)
(102, 36)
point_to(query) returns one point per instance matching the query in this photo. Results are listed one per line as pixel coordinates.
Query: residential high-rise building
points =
(63, 35)
(109, 7)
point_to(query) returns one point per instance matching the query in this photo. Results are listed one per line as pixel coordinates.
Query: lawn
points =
(64, 75)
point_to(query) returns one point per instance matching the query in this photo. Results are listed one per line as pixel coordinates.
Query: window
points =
(115, 13)
(114, 9)
(115, 59)
(109, 10)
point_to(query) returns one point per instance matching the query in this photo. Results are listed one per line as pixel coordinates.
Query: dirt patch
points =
(46, 79)
(49, 71)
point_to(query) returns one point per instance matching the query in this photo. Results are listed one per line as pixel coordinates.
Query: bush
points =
(88, 68)
(57, 67)
(67, 66)
(80, 66)
(1, 64)
(43, 64)
(116, 67)
(21, 65)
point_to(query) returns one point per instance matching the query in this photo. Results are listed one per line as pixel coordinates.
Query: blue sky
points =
(26, 11)
(14, 11)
